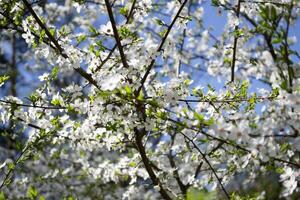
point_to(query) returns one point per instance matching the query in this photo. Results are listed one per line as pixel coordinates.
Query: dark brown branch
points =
(208, 163)
(216, 148)
(198, 170)
(230, 143)
(286, 48)
(210, 136)
(116, 34)
(107, 58)
(160, 48)
(182, 187)
(268, 39)
(32, 106)
(115, 46)
(61, 51)
(236, 36)
(30, 125)
(265, 2)
(182, 43)
(14, 69)
(253, 23)
(11, 170)
(224, 100)
(147, 163)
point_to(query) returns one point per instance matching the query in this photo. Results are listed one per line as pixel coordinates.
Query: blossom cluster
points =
(141, 100)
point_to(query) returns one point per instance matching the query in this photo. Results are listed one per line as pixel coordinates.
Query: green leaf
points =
(128, 90)
(34, 97)
(81, 38)
(284, 85)
(227, 60)
(124, 11)
(162, 33)
(52, 31)
(55, 122)
(285, 147)
(55, 102)
(195, 194)
(93, 31)
(244, 88)
(92, 98)
(91, 48)
(263, 12)
(161, 114)
(227, 95)
(132, 164)
(42, 36)
(251, 102)
(100, 45)
(252, 125)
(125, 32)
(159, 22)
(187, 82)
(19, 145)
(11, 166)
(209, 122)
(210, 88)
(277, 40)
(215, 3)
(197, 92)
(42, 198)
(199, 117)
(77, 125)
(238, 32)
(274, 93)
(141, 96)
(3, 79)
(273, 13)
(2, 196)
(32, 192)
(280, 170)
(54, 72)
(63, 30)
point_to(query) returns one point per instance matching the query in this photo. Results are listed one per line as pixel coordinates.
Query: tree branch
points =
(236, 36)
(116, 34)
(208, 163)
(32, 106)
(182, 187)
(147, 164)
(286, 48)
(61, 51)
(115, 46)
(160, 48)
(230, 143)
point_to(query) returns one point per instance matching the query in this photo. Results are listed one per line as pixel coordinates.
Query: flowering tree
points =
(117, 106)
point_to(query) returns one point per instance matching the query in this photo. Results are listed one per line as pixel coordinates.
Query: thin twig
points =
(224, 100)
(236, 36)
(237, 146)
(130, 15)
(116, 34)
(31, 106)
(286, 48)
(61, 51)
(181, 185)
(143, 80)
(10, 171)
(147, 164)
(208, 163)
